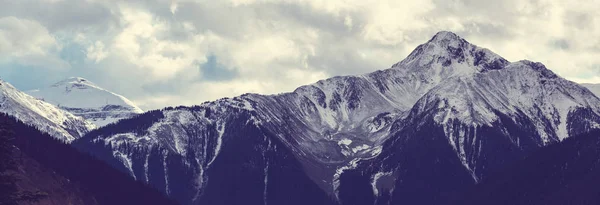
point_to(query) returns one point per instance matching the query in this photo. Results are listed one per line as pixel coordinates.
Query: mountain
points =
(476, 120)
(85, 99)
(65, 175)
(563, 173)
(212, 154)
(33, 177)
(420, 132)
(44, 116)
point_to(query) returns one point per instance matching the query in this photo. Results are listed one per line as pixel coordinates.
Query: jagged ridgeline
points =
(421, 132)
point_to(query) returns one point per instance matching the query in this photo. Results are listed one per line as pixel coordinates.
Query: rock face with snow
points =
(438, 121)
(478, 118)
(217, 153)
(85, 99)
(44, 116)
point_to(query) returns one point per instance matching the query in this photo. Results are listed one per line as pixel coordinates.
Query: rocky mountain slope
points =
(44, 116)
(431, 125)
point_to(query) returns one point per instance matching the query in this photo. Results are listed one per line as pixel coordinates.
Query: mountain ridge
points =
(46, 117)
(475, 107)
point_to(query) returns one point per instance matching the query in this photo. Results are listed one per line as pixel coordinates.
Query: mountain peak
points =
(88, 100)
(77, 79)
(454, 55)
(44, 116)
(445, 35)
(74, 80)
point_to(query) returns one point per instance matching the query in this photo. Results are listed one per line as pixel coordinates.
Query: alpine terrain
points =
(431, 126)
(85, 99)
(44, 116)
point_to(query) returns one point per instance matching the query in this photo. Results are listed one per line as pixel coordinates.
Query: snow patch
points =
(345, 142)
(360, 148)
(376, 178)
(338, 172)
(220, 131)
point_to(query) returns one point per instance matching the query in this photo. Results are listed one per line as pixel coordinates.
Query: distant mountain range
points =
(450, 124)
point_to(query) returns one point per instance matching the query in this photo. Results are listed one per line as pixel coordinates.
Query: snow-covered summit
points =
(44, 116)
(447, 54)
(88, 100)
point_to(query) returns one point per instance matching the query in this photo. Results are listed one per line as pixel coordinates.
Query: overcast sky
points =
(182, 52)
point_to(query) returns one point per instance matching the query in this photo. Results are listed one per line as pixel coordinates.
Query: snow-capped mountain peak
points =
(445, 35)
(72, 80)
(86, 99)
(44, 116)
(447, 54)
(75, 83)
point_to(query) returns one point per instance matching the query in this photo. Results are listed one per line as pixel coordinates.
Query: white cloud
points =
(21, 37)
(28, 43)
(96, 52)
(139, 44)
(274, 46)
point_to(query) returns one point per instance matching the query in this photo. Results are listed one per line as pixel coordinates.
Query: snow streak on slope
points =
(83, 98)
(196, 132)
(46, 117)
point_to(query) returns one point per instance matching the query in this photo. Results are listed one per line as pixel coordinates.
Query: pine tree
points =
(8, 188)
(9, 194)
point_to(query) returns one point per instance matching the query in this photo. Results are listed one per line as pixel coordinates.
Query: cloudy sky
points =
(172, 52)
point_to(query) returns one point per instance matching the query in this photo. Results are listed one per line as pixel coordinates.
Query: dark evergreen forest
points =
(95, 177)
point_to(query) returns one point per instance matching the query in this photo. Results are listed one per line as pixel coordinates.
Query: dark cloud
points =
(63, 15)
(212, 70)
(74, 53)
(562, 44)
